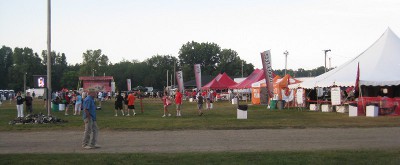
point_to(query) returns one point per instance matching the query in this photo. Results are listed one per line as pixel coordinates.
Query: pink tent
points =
(256, 76)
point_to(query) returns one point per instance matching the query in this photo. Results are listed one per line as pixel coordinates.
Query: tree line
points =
(20, 62)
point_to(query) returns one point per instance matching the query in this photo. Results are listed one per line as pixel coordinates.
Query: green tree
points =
(26, 63)
(158, 66)
(205, 54)
(6, 62)
(94, 62)
(231, 64)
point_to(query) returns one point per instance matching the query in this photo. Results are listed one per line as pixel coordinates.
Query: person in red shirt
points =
(178, 102)
(131, 104)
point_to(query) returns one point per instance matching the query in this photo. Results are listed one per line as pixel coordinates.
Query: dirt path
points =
(203, 140)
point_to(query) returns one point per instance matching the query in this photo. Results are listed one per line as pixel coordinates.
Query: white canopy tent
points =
(379, 66)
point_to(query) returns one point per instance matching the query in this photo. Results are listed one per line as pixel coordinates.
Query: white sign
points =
(299, 96)
(335, 96)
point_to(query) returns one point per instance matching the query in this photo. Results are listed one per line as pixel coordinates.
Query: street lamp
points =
(286, 53)
(326, 51)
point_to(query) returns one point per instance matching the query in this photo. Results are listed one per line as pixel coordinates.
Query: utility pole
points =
(48, 57)
(286, 53)
(326, 51)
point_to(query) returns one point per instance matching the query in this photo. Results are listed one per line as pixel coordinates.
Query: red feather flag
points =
(356, 86)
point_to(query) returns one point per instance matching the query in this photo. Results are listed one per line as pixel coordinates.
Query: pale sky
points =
(139, 29)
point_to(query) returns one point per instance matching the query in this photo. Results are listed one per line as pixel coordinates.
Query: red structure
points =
(98, 83)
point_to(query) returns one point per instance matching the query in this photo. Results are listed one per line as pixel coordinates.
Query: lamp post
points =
(48, 57)
(286, 53)
(326, 51)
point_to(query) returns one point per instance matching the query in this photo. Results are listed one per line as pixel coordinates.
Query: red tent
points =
(256, 76)
(221, 81)
(213, 84)
(225, 80)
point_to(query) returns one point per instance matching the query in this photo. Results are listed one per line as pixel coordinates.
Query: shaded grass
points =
(387, 157)
(223, 116)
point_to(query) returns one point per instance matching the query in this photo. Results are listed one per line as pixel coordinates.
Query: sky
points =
(140, 29)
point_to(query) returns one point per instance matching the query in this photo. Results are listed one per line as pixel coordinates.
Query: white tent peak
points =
(379, 66)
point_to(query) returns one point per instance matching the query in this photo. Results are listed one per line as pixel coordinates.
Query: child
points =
(166, 102)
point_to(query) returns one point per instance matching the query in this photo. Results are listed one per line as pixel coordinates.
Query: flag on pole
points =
(128, 83)
(357, 85)
(197, 74)
(179, 79)
(266, 62)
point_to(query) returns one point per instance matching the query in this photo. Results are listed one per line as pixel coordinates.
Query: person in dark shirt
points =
(28, 103)
(118, 104)
(200, 103)
(20, 105)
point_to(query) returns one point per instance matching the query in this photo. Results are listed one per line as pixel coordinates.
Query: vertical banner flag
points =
(113, 86)
(179, 79)
(128, 83)
(357, 85)
(197, 74)
(266, 62)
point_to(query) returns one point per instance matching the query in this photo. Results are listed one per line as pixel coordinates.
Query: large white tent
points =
(379, 66)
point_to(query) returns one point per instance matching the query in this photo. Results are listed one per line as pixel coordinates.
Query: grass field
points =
(223, 116)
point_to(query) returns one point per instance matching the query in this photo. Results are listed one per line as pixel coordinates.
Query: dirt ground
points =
(204, 140)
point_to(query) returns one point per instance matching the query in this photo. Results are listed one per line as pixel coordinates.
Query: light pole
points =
(326, 51)
(48, 57)
(286, 53)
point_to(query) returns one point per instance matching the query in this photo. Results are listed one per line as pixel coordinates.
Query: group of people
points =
(20, 104)
(125, 103)
(70, 99)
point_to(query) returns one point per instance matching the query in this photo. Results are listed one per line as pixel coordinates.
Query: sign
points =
(299, 96)
(336, 96)
(40, 81)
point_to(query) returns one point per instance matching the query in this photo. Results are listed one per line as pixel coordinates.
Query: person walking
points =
(178, 102)
(118, 104)
(131, 104)
(28, 103)
(166, 102)
(200, 101)
(78, 104)
(90, 121)
(20, 105)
